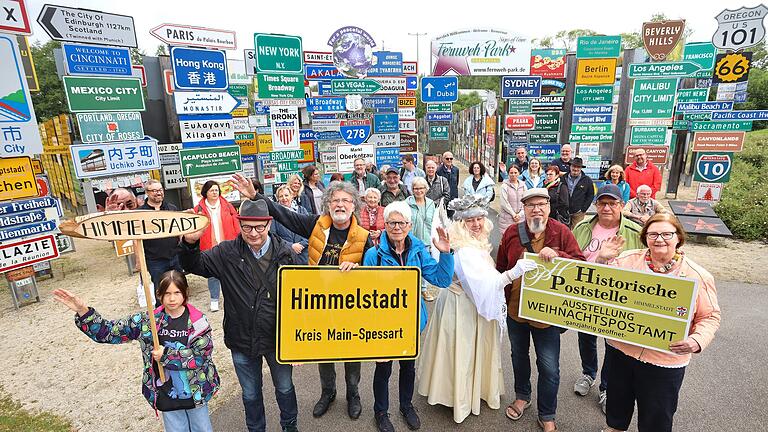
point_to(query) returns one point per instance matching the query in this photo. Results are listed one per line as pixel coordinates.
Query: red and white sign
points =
(13, 17)
(285, 127)
(407, 125)
(168, 81)
(318, 57)
(709, 192)
(140, 72)
(184, 35)
(410, 68)
(27, 252)
(42, 186)
(519, 122)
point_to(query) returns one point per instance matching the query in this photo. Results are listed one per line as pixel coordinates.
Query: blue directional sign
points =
(355, 131)
(9, 207)
(439, 89)
(326, 104)
(324, 88)
(13, 219)
(740, 115)
(520, 87)
(593, 118)
(327, 136)
(593, 109)
(96, 60)
(380, 102)
(439, 116)
(388, 156)
(199, 69)
(322, 72)
(411, 82)
(307, 135)
(27, 230)
(386, 123)
(259, 108)
(704, 106)
(388, 63)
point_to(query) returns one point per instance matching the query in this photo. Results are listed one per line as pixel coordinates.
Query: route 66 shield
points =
(739, 29)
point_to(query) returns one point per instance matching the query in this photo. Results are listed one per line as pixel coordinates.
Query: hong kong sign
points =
(199, 69)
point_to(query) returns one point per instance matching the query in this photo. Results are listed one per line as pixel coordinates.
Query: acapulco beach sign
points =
(481, 52)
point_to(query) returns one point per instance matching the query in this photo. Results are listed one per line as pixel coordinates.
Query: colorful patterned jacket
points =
(196, 359)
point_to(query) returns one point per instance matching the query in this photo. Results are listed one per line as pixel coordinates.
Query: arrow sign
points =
(440, 89)
(663, 69)
(177, 34)
(93, 27)
(204, 102)
(354, 86)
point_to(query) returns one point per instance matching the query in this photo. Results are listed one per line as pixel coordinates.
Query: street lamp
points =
(417, 46)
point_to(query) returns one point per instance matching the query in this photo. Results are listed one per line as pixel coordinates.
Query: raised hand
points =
(192, 238)
(610, 249)
(243, 185)
(442, 242)
(70, 300)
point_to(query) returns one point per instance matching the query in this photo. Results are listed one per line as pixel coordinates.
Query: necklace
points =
(666, 267)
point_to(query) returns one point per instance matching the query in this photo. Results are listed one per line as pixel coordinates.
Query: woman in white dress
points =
(460, 361)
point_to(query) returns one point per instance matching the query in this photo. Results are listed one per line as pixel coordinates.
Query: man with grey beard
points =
(335, 238)
(549, 239)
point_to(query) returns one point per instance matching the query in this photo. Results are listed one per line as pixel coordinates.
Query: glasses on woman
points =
(663, 235)
(397, 224)
(249, 228)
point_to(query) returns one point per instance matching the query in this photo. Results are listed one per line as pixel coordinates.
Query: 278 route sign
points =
(13, 17)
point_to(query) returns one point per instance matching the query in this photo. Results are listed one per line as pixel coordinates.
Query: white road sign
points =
(739, 29)
(204, 102)
(89, 26)
(184, 35)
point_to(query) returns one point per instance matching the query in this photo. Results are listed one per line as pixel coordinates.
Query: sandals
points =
(541, 425)
(514, 413)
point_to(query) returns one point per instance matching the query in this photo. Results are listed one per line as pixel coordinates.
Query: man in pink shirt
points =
(642, 172)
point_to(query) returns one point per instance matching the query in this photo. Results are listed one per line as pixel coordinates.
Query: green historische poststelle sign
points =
(593, 95)
(89, 94)
(278, 53)
(648, 135)
(653, 98)
(645, 309)
(197, 162)
(598, 46)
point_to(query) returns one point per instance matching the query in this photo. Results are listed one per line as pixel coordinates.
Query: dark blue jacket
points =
(284, 233)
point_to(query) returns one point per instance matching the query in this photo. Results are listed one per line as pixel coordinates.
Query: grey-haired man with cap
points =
(247, 268)
(590, 234)
(392, 189)
(581, 190)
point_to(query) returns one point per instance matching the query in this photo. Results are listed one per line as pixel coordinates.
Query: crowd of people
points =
(413, 217)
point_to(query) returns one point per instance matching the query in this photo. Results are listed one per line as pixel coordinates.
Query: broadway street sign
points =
(69, 24)
(89, 94)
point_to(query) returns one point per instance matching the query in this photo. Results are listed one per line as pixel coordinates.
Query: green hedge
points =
(744, 201)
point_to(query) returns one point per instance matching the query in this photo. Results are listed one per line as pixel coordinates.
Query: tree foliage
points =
(50, 100)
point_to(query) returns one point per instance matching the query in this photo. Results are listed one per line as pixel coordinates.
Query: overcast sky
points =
(390, 21)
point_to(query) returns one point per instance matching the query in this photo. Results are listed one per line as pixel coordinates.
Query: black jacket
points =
(452, 175)
(250, 308)
(583, 192)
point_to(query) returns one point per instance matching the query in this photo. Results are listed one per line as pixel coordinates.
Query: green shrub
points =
(744, 201)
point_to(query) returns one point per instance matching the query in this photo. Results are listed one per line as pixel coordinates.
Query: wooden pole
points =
(146, 280)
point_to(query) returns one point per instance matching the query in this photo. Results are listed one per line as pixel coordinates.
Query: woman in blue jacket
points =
(615, 175)
(398, 248)
(479, 183)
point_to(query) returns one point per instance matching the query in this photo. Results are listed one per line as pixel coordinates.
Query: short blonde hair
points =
(420, 181)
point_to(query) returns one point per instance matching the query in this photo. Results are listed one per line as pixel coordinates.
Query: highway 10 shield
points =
(713, 168)
(355, 131)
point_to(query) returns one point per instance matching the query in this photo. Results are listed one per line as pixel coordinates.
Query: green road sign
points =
(680, 125)
(705, 116)
(204, 161)
(438, 132)
(590, 137)
(598, 46)
(89, 94)
(110, 126)
(662, 69)
(739, 125)
(593, 95)
(519, 106)
(542, 137)
(286, 155)
(653, 98)
(648, 135)
(439, 107)
(282, 177)
(287, 166)
(547, 121)
(354, 86)
(693, 95)
(238, 90)
(591, 128)
(280, 86)
(703, 54)
(278, 53)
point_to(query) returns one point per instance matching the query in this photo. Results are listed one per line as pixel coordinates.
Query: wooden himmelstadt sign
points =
(660, 38)
(137, 225)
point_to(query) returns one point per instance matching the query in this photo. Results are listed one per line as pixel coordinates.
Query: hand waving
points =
(442, 243)
(70, 300)
(244, 186)
(610, 249)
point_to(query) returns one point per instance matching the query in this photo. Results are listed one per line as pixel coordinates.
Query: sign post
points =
(137, 225)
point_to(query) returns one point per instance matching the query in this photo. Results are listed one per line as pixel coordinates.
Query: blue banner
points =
(593, 109)
(96, 60)
(27, 230)
(439, 116)
(22, 218)
(327, 136)
(380, 102)
(593, 118)
(544, 152)
(388, 63)
(7, 208)
(307, 135)
(322, 72)
(327, 104)
(524, 87)
(388, 156)
(704, 106)
(199, 69)
(386, 123)
(324, 88)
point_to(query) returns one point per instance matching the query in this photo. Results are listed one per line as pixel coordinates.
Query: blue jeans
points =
(156, 268)
(546, 342)
(191, 420)
(248, 370)
(588, 354)
(214, 287)
(381, 385)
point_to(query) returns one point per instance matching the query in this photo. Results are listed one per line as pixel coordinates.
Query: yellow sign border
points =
(27, 176)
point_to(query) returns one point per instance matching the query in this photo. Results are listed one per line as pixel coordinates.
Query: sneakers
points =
(383, 423)
(603, 400)
(214, 305)
(291, 428)
(583, 384)
(411, 418)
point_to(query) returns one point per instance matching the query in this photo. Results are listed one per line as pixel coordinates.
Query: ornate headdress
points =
(468, 206)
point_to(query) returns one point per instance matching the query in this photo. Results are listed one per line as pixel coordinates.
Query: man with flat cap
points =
(247, 268)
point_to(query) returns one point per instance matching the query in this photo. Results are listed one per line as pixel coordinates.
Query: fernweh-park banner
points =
(645, 309)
